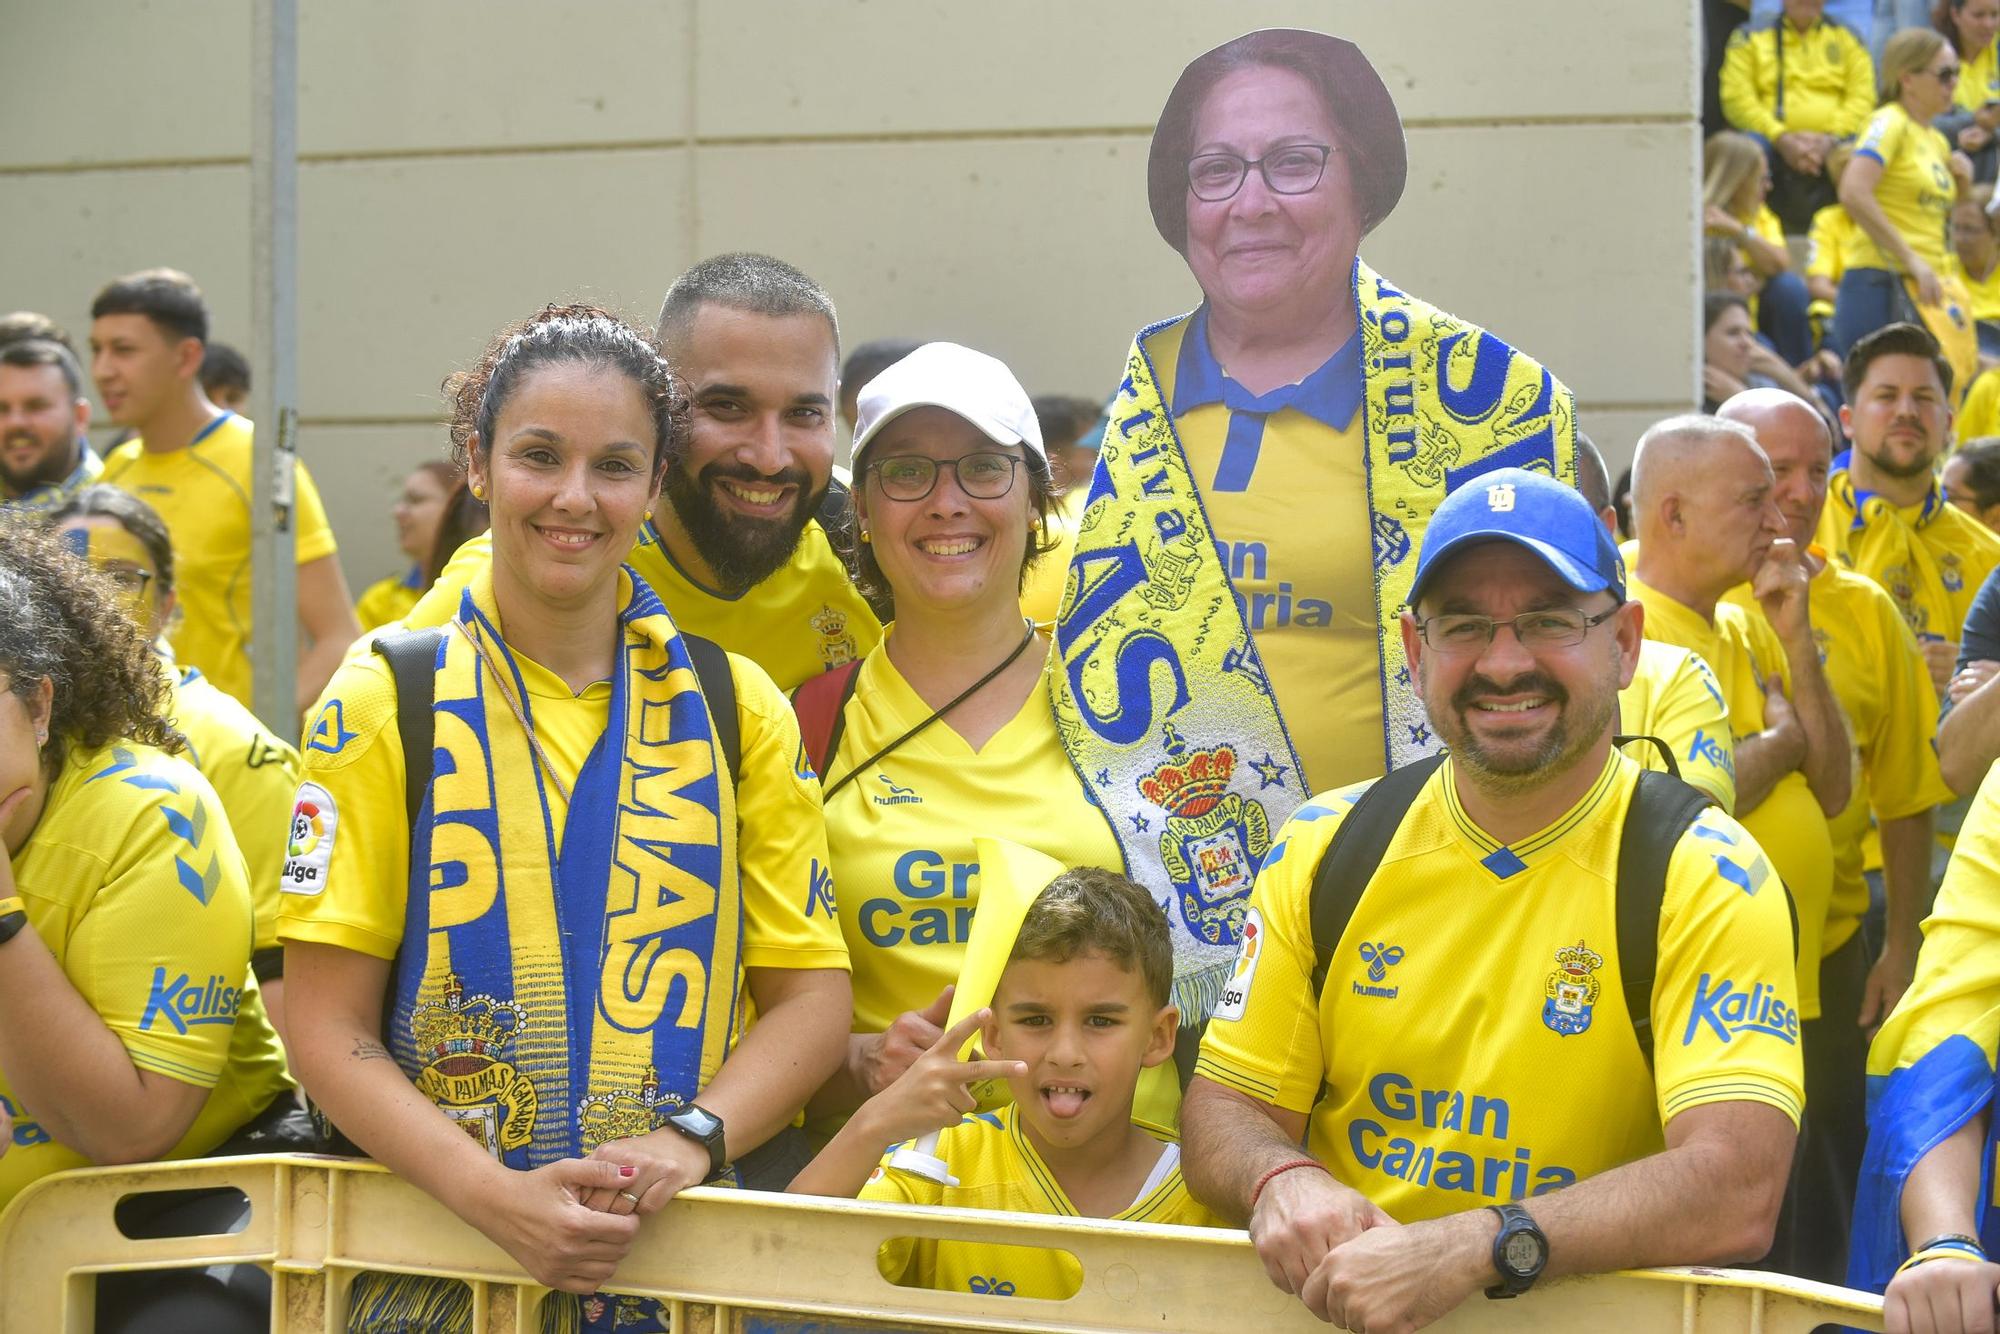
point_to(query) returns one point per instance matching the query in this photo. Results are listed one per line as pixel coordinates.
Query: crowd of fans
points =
(1203, 807)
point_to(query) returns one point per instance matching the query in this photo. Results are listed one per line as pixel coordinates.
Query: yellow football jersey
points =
(253, 772)
(348, 878)
(802, 620)
(1674, 696)
(1878, 675)
(202, 493)
(1957, 988)
(1305, 588)
(1916, 191)
(1981, 413)
(1985, 291)
(132, 880)
(1829, 81)
(1788, 825)
(389, 599)
(1831, 243)
(996, 1167)
(1978, 80)
(1472, 1037)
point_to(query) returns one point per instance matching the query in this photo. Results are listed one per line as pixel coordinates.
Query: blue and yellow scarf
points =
(552, 997)
(1163, 703)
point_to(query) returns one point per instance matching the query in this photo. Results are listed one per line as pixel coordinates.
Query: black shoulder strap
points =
(412, 659)
(836, 516)
(1355, 853)
(718, 687)
(1662, 809)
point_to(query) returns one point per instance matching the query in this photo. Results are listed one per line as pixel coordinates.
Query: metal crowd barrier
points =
(733, 1262)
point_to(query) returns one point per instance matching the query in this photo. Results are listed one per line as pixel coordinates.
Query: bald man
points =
(1877, 674)
(1674, 695)
(1703, 499)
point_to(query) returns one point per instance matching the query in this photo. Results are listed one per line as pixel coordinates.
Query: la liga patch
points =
(309, 848)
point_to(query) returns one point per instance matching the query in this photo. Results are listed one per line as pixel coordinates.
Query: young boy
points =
(1079, 1011)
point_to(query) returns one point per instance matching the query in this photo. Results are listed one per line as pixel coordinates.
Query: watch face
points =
(1524, 1253)
(697, 1120)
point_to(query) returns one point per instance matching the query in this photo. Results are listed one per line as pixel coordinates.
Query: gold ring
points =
(628, 1195)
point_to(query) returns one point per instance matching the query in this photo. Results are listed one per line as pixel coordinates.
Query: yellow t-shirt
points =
(1916, 191)
(253, 772)
(1472, 1036)
(202, 493)
(132, 880)
(1978, 81)
(1957, 987)
(1831, 243)
(997, 1168)
(1788, 824)
(389, 599)
(1985, 292)
(1305, 587)
(353, 780)
(901, 834)
(1877, 673)
(1829, 81)
(802, 620)
(1981, 414)
(1674, 696)
(1042, 594)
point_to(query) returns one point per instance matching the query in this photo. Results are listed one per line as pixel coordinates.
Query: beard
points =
(743, 552)
(1890, 466)
(56, 462)
(1516, 767)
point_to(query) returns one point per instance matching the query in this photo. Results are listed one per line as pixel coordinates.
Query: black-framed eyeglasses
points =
(1554, 627)
(983, 476)
(1291, 170)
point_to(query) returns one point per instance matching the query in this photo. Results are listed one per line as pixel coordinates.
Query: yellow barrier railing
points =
(736, 1261)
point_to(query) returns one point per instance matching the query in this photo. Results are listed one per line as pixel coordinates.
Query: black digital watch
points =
(1520, 1252)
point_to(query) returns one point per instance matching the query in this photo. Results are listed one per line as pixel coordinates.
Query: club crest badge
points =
(1214, 839)
(1571, 990)
(460, 1040)
(625, 1113)
(836, 645)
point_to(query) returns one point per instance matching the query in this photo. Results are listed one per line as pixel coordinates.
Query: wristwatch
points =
(1519, 1252)
(705, 1128)
(13, 916)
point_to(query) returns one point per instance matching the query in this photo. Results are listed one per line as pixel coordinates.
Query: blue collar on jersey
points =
(1331, 394)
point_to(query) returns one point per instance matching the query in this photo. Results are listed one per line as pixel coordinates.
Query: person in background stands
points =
(1971, 26)
(863, 364)
(225, 377)
(1800, 84)
(191, 463)
(419, 514)
(45, 454)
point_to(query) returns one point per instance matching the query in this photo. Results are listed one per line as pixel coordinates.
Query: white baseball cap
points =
(977, 387)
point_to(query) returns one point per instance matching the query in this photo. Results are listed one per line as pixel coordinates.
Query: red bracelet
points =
(1280, 1170)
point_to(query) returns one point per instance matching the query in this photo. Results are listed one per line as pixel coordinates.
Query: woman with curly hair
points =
(615, 841)
(132, 1028)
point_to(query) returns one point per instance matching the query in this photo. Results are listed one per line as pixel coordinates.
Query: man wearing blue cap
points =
(1454, 980)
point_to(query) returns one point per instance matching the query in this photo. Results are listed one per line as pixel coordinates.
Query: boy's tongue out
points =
(1064, 1100)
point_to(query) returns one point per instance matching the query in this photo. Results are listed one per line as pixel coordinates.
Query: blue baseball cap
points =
(1531, 510)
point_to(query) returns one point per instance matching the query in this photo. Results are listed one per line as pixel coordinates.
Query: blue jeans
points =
(1781, 317)
(1867, 300)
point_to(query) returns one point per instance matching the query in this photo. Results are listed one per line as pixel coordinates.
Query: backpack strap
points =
(821, 706)
(412, 659)
(1662, 810)
(1351, 859)
(718, 688)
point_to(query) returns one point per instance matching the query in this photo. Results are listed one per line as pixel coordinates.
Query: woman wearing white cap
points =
(945, 730)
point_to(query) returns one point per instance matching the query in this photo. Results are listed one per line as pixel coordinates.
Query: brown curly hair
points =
(1091, 910)
(574, 334)
(60, 620)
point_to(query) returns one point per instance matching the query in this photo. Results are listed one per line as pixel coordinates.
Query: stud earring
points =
(478, 491)
(649, 516)
(865, 537)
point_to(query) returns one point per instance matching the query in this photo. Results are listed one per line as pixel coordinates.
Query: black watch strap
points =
(1520, 1251)
(13, 916)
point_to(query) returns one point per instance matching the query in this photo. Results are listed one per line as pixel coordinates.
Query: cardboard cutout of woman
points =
(1229, 634)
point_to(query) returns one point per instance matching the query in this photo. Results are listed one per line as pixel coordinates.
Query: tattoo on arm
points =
(367, 1049)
